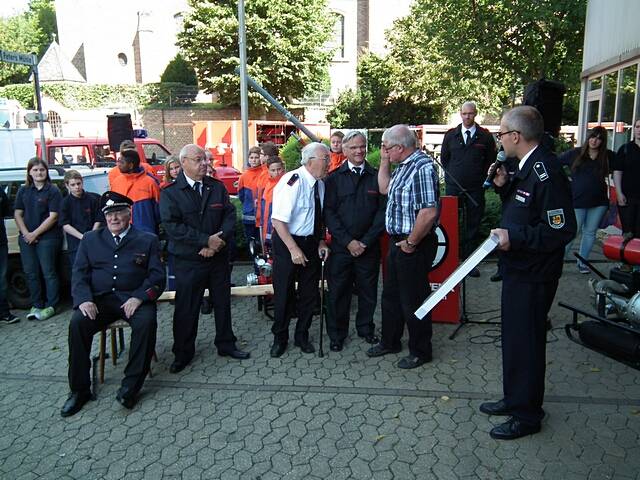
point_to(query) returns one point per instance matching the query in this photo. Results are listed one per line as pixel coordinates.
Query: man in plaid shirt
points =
(411, 217)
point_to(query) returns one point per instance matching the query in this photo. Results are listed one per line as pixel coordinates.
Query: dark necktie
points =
(197, 187)
(467, 138)
(356, 170)
(117, 239)
(317, 213)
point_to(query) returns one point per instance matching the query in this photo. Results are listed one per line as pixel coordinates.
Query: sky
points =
(9, 8)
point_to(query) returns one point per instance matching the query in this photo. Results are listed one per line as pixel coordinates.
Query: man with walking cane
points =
(298, 245)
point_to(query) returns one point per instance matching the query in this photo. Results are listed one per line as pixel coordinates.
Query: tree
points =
(28, 32)
(179, 71)
(448, 51)
(374, 104)
(19, 33)
(286, 50)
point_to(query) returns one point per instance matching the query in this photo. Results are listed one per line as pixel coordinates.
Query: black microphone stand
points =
(463, 208)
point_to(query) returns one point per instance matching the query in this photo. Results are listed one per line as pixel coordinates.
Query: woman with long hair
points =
(172, 169)
(37, 206)
(590, 168)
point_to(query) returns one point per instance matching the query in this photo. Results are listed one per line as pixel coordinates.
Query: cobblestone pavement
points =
(300, 416)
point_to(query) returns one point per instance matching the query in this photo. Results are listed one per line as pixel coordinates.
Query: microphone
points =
(500, 159)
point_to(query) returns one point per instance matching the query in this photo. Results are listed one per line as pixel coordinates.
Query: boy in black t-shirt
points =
(79, 213)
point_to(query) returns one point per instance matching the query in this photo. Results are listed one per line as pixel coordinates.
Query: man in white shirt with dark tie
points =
(298, 244)
(467, 152)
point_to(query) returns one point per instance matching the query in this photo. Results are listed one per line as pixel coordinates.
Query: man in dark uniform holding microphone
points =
(117, 275)
(200, 222)
(537, 222)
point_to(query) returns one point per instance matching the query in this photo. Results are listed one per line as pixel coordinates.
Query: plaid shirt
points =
(413, 186)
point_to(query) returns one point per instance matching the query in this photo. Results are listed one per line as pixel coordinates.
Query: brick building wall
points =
(174, 127)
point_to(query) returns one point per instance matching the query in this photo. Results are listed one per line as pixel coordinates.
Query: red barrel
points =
(615, 248)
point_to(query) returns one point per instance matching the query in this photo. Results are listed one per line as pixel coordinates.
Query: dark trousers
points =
(525, 306)
(406, 286)
(37, 257)
(470, 218)
(191, 280)
(285, 274)
(143, 341)
(345, 271)
(4, 260)
(630, 217)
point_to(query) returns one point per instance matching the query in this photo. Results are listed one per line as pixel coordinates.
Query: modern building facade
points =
(610, 68)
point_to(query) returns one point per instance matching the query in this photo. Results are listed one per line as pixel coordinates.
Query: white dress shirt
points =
(294, 204)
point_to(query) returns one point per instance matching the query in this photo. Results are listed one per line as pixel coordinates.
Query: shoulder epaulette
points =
(541, 171)
(293, 179)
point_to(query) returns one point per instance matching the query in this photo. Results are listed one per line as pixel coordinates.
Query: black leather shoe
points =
(206, 307)
(380, 350)
(177, 366)
(234, 353)
(372, 338)
(126, 402)
(305, 346)
(495, 408)
(475, 273)
(277, 349)
(512, 429)
(74, 403)
(411, 361)
(335, 346)
(496, 277)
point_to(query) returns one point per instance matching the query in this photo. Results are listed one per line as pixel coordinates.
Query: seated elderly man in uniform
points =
(117, 275)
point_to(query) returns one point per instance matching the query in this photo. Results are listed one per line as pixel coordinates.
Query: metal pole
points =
(278, 106)
(244, 98)
(43, 145)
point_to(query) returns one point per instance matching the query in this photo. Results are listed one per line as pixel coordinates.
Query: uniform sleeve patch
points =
(541, 172)
(556, 218)
(293, 179)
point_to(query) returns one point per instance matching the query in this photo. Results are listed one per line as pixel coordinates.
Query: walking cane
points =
(322, 255)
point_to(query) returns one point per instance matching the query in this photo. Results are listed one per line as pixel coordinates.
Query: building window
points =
(122, 59)
(337, 42)
(612, 101)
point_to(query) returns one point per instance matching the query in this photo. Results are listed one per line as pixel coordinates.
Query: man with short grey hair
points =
(298, 244)
(411, 217)
(354, 214)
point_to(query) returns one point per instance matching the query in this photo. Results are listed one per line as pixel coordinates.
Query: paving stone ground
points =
(343, 416)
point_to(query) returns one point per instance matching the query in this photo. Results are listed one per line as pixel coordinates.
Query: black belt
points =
(304, 238)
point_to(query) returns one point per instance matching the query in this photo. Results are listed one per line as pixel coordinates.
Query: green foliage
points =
(492, 213)
(373, 156)
(20, 33)
(286, 50)
(375, 103)
(85, 96)
(241, 239)
(179, 71)
(290, 153)
(449, 51)
(29, 32)
(44, 11)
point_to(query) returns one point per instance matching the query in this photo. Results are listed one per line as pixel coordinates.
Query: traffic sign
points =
(17, 57)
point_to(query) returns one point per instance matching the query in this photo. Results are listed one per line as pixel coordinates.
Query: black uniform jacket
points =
(130, 269)
(190, 220)
(354, 209)
(538, 213)
(468, 163)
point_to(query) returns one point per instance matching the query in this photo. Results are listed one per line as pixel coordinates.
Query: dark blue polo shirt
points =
(37, 204)
(81, 213)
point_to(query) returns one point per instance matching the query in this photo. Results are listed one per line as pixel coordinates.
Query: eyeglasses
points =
(386, 149)
(500, 134)
(198, 159)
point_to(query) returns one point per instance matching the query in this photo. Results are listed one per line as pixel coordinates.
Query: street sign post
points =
(17, 57)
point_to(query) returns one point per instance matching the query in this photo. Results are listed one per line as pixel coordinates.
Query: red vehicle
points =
(66, 152)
